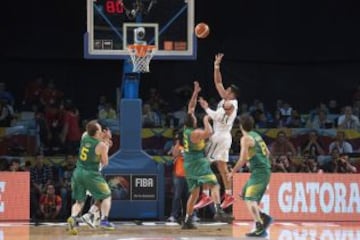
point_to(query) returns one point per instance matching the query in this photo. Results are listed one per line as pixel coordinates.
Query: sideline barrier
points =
(11, 231)
(305, 197)
(14, 196)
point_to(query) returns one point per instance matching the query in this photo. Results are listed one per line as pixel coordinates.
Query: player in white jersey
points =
(220, 142)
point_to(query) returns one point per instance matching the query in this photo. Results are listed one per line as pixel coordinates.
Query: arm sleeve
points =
(211, 113)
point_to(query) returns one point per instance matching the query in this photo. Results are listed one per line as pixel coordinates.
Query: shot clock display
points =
(167, 24)
(113, 6)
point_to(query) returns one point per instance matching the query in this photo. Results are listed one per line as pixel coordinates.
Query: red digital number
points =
(114, 6)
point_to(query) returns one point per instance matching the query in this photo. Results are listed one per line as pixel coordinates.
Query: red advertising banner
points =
(14, 232)
(305, 197)
(14, 196)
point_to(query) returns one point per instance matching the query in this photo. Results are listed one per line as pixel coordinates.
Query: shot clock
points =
(113, 6)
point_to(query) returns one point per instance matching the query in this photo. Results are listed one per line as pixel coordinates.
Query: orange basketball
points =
(202, 30)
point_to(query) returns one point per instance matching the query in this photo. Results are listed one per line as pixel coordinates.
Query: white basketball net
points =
(141, 56)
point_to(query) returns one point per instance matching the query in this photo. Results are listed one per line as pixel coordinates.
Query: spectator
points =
(42, 131)
(339, 163)
(313, 145)
(285, 110)
(40, 176)
(50, 94)
(314, 112)
(282, 146)
(294, 120)
(149, 117)
(102, 102)
(27, 165)
(340, 144)
(283, 164)
(260, 119)
(309, 164)
(54, 120)
(179, 116)
(50, 204)
(348, 120)
(157, 103)
(279, 104)
(71, 133)
(333, 107)
(107, 112)
(267, 114)
(321, 121)
(279, 121)
(15, 165)
(343, 164)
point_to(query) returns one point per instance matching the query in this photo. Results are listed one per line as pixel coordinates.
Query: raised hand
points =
(218, 59)
(203, 103)
(197, 87)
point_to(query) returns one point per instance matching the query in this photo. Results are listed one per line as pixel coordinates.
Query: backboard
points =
(114, 24)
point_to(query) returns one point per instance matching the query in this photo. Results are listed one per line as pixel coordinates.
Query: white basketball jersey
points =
(223, 122)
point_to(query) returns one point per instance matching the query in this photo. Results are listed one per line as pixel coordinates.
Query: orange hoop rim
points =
(141, 50)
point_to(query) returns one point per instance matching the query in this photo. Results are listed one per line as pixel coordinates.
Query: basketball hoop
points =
(141, 56)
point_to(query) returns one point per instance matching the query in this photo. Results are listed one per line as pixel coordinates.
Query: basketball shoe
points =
(222, 216)
(105, 224)
(267, 220)
(204, 201)
(88, 218)
(188, 224)
(259, 231)
(71, 222)
(228, 201)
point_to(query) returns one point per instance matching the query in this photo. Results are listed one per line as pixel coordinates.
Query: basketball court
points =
(166, 231)
(137, 32)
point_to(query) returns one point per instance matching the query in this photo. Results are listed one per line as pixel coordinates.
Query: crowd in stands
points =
(58, 127)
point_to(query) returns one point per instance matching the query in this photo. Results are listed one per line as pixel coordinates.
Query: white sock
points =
(93, 209)
(206, 192)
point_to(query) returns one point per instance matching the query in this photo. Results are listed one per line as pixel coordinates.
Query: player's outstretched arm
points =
(217, 75)
(193, 100)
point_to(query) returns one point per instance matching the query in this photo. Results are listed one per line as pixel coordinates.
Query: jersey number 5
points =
(83, 153)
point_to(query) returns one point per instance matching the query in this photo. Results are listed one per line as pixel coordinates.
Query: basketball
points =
(202, 30)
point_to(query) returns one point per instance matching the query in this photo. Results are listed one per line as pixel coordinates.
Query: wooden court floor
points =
(169, 231)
